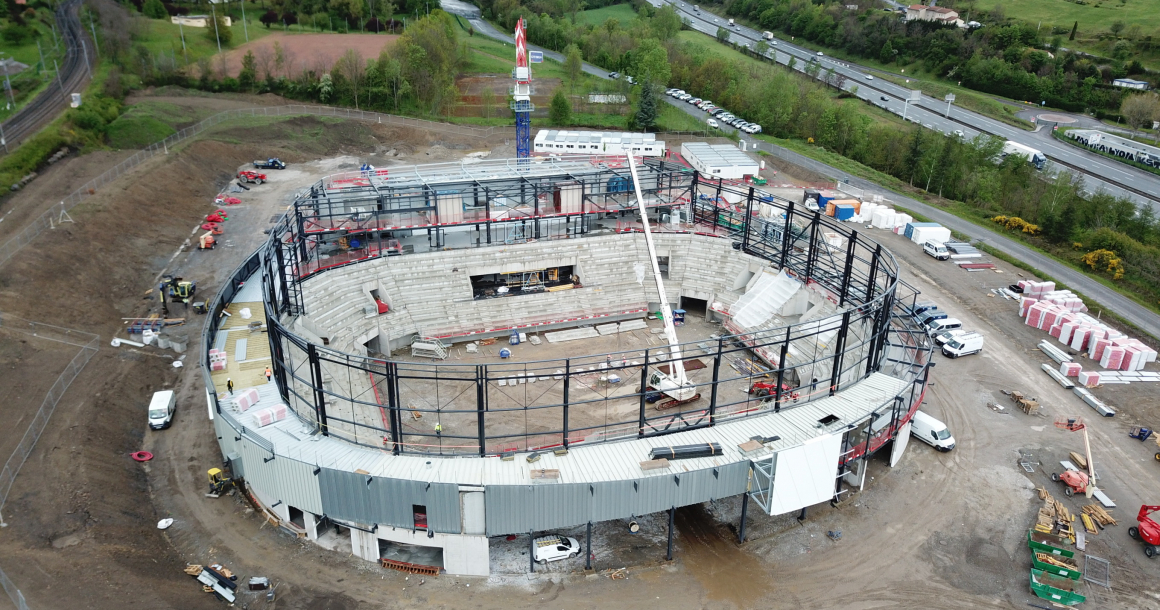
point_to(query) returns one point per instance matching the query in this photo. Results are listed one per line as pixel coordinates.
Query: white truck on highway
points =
(767, 35)
(1034, 157)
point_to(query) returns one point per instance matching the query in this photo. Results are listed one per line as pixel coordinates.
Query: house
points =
(922, 12)
(196, 21)
(1128, 83)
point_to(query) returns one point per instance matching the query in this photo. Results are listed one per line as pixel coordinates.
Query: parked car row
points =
(717, 116)
(947, 333)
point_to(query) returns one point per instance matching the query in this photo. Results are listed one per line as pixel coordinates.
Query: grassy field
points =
(1096, 14)
(150, 121)
(163, 38)
(29, 83)
(620, 12)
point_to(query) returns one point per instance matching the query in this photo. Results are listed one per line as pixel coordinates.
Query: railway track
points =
(73, 76)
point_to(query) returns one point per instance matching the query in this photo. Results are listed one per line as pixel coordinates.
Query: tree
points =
(560, 112)
(487, 99)
(1140, 109)
(573, 65)
(353, 68)
(249, 73)
(646, 110)
(666, 23)
(154, 9)
(221, 33)
(886, 55)
(269, 18)
(651, 62)
(1116, 28)
(722, 34)
(1074, 27)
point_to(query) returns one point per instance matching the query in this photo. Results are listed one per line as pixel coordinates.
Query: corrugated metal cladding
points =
(226, 435)
(295, 483)
(514, 509)
(348, 496)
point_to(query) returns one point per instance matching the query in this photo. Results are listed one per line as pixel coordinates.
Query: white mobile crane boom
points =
(676, 386)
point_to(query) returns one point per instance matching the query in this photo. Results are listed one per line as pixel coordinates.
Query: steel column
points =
(588, 549)
(716, 374)
(745, 225)
(643, 394)
(839, 349)
(481, 406)
(812, 253)
(567, 379)
(531, 552)
(873, 272)
(393, 404)
(744, 511)
(781, 371)
(785, 235)
(848, 268)
(316, 381)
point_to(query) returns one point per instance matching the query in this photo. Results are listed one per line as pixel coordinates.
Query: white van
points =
(943, 336)
(555, 548)
(938, 326)
(161, 409)
(931, 431)
(965, 345)
(767, 35)
(936, 249)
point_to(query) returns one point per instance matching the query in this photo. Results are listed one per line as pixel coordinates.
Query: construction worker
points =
(439, 430)
(230, 385)
(269, 374)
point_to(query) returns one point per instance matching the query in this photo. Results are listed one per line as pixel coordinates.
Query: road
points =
(1099, 172)
(73, 76)
(1141, 317)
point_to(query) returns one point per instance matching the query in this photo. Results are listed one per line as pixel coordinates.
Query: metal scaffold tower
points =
(522, 97)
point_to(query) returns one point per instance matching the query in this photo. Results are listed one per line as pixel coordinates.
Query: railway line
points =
(71, 78)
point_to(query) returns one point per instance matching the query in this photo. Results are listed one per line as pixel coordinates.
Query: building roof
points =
(1130, 81)
(933, 9)
(594, 137)
(718, 155)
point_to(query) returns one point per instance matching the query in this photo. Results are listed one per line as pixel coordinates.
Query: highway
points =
(72, 79)
(1099, 172)
(1142, 317)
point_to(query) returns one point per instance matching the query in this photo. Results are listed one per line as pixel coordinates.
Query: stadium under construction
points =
(465, 351)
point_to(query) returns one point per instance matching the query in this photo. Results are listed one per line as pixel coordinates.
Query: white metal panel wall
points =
(805, 475)
(296, 484)
(474, 518)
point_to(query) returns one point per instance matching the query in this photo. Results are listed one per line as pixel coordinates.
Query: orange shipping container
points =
(830, 208)
(854, 202)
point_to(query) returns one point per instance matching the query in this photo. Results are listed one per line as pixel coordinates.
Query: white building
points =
(1128, 83)
(719, 160)
(554, 141)
(939, 14)
(197, 21)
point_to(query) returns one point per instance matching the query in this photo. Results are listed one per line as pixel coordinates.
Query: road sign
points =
(915, 96)
(536, 57)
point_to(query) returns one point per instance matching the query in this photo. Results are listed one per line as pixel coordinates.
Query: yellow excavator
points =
(219, 483)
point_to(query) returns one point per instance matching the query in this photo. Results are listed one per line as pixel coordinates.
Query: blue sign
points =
(536, 57)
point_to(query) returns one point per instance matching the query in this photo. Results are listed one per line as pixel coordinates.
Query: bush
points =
(560, 112)
(133, 132)
(154, 9)
(269, 18)
(16, 34)
(221, 33)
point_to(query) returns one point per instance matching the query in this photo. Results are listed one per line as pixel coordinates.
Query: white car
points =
(555, 548)
(819, 53)
(713, 123)
(959, 133)
(869, 77)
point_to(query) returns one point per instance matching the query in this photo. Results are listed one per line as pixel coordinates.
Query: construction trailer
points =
(719, 160)
(554, 141)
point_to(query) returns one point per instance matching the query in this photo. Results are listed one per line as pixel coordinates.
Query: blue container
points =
(843, 211)
(515, 338)
(505, 353)
(911, 225)
(678, 317)
(823, 200)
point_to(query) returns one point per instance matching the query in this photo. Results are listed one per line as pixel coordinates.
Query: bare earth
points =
(937, 531)
(316, 52)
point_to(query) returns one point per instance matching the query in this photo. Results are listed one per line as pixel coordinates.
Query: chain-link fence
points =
(88, 343)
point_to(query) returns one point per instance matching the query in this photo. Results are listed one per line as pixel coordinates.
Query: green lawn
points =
(165, 38)
(150, 121)
(620, 12)
(29, 83)
(1095, 14)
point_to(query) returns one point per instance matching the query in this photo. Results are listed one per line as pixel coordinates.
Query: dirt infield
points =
(316, 52)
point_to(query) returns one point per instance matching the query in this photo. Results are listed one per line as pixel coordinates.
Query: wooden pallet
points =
(410, 568)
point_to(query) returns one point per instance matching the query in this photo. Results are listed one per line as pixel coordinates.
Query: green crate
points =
(1041, 585)
(1054, 570)
(1038, 541)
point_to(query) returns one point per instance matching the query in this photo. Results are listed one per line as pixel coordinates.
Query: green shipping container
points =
(1038, 541)
(1054, 570)
(1042, 585)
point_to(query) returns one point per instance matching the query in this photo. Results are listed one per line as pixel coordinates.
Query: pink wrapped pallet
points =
(1070, 369)
(1035, 314)
(1050, 316)
(1054, 332)
(1023, 284)
(1025, 303)
(1080, 336)
(246, 399)
(1048, 286)
(265, 417)
(1089, 379)
(217, 360)
(1096, 351)
(1133, 359)
(1113, 356)
(1065, 331)
(1149, 353)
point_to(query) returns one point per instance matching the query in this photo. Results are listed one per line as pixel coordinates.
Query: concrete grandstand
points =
(392, 418)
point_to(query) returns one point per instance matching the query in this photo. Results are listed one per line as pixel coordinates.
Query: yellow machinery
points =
(219, 483)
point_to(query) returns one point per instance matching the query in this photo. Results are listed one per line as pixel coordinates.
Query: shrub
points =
(1105, 260)
(16, 34)
(154, 9)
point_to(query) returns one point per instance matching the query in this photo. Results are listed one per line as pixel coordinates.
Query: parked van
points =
(926, 317)
(931, 431)
(161, 409)
(963, 346)
(555, 548)
(936, 249)
(943, 336)
(937, 326)
(922, 307)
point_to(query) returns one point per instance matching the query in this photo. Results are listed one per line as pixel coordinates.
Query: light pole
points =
(93, 27)
(215, 28)
(181, 31)
(245, 28)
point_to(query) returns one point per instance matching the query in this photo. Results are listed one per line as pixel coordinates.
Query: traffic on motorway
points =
(939, 115)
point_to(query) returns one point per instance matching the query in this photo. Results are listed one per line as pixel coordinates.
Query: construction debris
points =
(1101, 516)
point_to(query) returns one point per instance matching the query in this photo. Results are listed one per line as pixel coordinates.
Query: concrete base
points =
(462, 555)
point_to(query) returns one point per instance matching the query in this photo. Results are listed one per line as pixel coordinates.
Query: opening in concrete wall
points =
(411, 554)
(694, 306)
(296, 517)
(533, 281)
